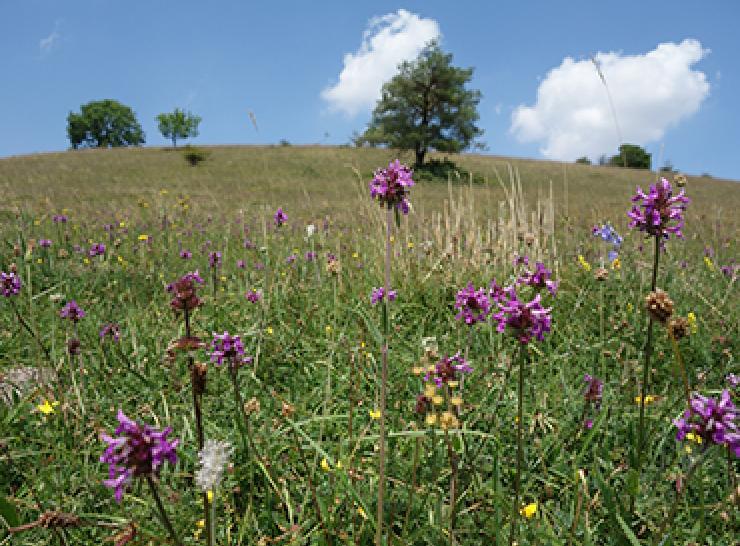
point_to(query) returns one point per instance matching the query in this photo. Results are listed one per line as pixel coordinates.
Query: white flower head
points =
(310, 230)
(213, 459)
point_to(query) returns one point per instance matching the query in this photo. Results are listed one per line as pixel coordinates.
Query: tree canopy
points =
(631, 156)
(426, 106)
(103, 124)
(178, 125)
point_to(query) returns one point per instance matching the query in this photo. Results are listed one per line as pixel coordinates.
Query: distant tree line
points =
(630, 156)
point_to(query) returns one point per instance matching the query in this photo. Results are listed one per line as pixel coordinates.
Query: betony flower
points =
(72, 311)
(378, 294)
(390, 186)
(59, 219)
(227, 347)
(186, 254)
(659, 212)
(185, 294)
(44, 243)
(97, 249)
(135, 450)
(280, 217)
(447, 369)
(594, 389)
(474, 305)
(253, 296)
(541, 277)
(10, 284)
(111, 330)
(714, 421)
(214, 259)
(527, 320)
(241, 264)
(213, 459)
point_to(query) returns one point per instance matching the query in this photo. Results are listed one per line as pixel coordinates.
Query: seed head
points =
(659, 305)
(678, 328)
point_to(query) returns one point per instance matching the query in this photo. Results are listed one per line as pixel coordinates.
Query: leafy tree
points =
(426, 106)
(583, 160)
(103, 124)
(632, 156)
(178, 124)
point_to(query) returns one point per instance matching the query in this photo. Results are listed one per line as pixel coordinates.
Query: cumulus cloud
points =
(651, 92)
(387, 41)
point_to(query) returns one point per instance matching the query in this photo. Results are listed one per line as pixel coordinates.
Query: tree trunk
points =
(174, 142)
(420, 153)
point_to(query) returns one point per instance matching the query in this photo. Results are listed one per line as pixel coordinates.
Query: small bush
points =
(194, 155)
(583, 160)
(443, 170)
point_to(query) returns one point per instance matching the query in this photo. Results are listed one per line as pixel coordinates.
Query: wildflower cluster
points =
(135, 450)
(474, 305)
(658, 212)
(229, 348)
(714, 421)
(610, 236)
(390, 186)
(439, 403)
(525, 320)
(10, 284)
(540, 278)
(185, 297)
(72, 311)
(378, 295)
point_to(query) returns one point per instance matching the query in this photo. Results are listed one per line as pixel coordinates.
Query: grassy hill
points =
(318, 180)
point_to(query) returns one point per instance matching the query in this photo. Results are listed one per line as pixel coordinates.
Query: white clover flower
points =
(213, 458)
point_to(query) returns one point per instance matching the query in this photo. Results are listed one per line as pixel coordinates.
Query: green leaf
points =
(628, 532)
(9, 513)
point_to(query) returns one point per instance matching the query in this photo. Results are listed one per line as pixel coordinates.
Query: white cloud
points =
(387, 41)
(48, 43)
(651, 93)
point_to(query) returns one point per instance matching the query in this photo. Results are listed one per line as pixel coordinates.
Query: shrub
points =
(444, 170)
(194, 155)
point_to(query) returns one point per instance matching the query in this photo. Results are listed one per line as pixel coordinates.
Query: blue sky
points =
(223, 59)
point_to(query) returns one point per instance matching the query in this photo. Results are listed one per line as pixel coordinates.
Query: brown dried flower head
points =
(659, 305)
(678, 328)
(601, 274)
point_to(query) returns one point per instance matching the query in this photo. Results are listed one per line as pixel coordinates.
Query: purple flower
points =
(253, 296)
(98, 249)
(390, 186)
(290, 259)
(227, 347)
(588, 424)
(594, 389)
(111, 330)
(72, 311)
(10, 284)
(733, 380)
(248, 244)
(241, 264)
(714, 421)
(521, 260)
(59, 219)
(280, 217)
(527, 320)
(185, 294)
(135, 450)
(259, 266)
(44, 243)
(378, 294)
(496, 292)
(474, 305)
(310, 256)
(186, 254)
(539, 278)
(448, 368)
(659, 212)
(214, 259)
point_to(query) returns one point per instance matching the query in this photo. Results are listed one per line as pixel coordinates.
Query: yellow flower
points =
(362, 344)
(362, 513)
(691, 318)
(456, 401)
(393, 239)
(47, 408)
(584, 264)
(122, 224)
(328, 329)
(163, 192)
(143, 237)
(708, 263)
(374, 414)
(325, 465)
(649, 399)
(39, 261)
(339, 465)
(616, 264)
(630, 307)
(269, 330)
(86, 261)
(200, 523)
(209, 496)
(529, 510)
(37, 222)
(694, 438)
(410, 245)
(355, 255)
(222, 278)
(437, 400)
(431, 419)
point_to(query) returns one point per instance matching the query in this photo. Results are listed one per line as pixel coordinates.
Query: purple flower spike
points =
(72, 311)
(186, 254)
(714, 421)
(280, 217)
(474, 305)
(378, 294)
(448, 369)
(253, 296)
(527, 320)
(111, 330)
(98, 249)
(44, 243)
(594, 389)
(541, 277)
(390, 186)
(658, 212)
(185, 292)
(10, 284)
(135, 450)
(59, 219)
(214, 259)
(227, 347)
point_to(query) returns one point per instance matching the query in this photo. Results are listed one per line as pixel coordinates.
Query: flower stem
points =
(682, 370)
(384, 379)
(31, 331)
(519, 448)
(646, 370)
(162, 514)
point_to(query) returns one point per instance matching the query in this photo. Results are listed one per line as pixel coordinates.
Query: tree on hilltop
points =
(104, 124)
(178, 125)
(425, 107)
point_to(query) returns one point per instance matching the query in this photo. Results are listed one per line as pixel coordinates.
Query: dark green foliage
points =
(104, 124)
(426, 106)
(436, 169)
(178, 125)
(583, 160)
(194, 155)
(634, 156)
